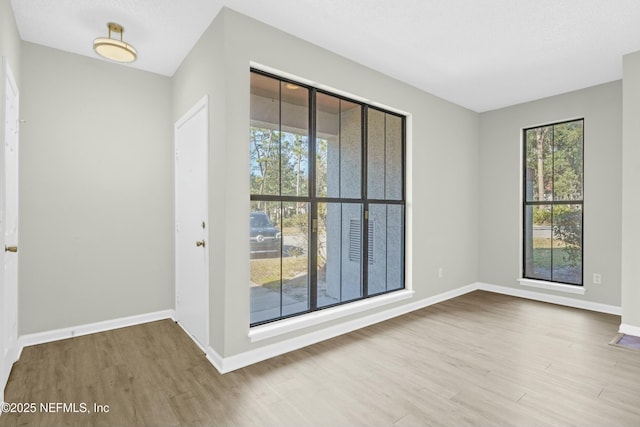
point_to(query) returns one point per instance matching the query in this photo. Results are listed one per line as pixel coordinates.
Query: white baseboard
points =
(629, 330)
(241, 360)
(91, 328)
(554, 299)
(231, 363)
(216, 360)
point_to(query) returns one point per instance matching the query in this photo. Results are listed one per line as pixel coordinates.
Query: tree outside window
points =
(553, 202)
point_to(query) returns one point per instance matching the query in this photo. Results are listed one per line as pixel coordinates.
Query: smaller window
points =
(553, 202)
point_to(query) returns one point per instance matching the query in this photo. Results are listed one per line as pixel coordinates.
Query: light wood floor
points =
(480, 359)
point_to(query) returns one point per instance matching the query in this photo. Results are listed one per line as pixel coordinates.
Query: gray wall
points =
(500, 178)
(96, 206)
(631, 201)
(442, 164)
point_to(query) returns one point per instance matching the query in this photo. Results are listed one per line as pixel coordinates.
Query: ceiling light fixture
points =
(113, 49)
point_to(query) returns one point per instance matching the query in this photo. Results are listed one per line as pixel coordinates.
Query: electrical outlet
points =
(597, 279)
(440, 273)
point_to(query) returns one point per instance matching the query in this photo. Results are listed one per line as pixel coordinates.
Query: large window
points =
(553, 202)
(327, 199)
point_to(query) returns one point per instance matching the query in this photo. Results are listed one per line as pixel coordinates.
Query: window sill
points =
(570, 289)
(270, 330)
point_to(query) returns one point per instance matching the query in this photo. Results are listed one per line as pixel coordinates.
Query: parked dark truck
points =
(265, 237)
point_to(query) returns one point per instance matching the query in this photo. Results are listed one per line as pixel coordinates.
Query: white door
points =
(9, 285)
(192, 250)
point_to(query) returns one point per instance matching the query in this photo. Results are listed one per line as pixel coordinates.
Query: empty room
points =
(320, 213)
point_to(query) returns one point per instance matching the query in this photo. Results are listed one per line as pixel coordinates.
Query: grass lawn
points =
(545, 242)
(266, 272)
(293, 231)
(542, 257)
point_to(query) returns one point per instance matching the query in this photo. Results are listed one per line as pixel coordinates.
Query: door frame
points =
(11, 356)
(203, 103)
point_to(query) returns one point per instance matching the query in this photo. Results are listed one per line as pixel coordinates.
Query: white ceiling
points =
(481, 54)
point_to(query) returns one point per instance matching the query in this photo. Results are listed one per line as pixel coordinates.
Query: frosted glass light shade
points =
(114, 50)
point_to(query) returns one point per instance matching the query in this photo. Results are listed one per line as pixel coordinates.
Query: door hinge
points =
(366, 215)
(314, 225)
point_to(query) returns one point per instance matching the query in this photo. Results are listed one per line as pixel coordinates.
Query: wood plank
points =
(480, 359)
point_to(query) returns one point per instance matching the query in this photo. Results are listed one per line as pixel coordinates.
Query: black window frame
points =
(313, 199)
(531, 203)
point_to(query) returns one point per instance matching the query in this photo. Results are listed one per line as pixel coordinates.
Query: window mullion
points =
(553, 195)
(364, 132)
(312, 248)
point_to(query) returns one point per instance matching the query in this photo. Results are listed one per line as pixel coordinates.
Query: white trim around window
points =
(279, 327)
(570, 289)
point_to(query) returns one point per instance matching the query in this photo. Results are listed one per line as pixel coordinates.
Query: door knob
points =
(200, 243)
(11, 249)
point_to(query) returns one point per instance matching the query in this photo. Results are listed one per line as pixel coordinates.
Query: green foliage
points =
(322, 147)
(567, 161)
(554, 156)
(567, 228)
(298, 221)
(542, 215)
(279, 162)
(265, 161)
